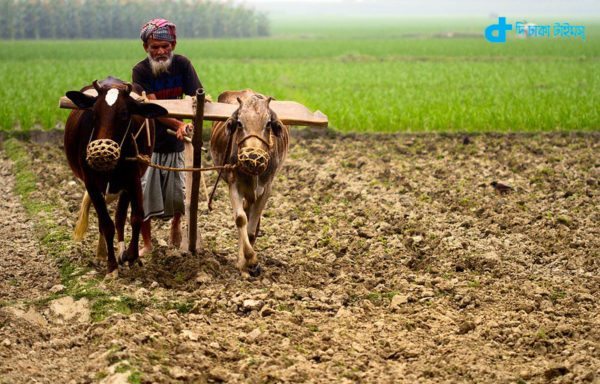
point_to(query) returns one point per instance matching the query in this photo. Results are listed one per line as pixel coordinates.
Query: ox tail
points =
(82, 221)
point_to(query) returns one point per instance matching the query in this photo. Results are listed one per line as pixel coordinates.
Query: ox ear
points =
(231, 125)
(232, 122)
(276, 124)
(80, 99)
(147, 110)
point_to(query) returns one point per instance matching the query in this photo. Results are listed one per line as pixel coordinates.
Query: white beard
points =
(160, 66)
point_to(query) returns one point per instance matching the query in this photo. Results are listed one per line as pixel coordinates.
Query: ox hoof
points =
(254, 270)
(122, 258)
(113, 275)
(134, 262)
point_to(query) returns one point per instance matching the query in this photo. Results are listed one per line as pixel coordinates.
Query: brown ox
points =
(98, 138)
(257, 141)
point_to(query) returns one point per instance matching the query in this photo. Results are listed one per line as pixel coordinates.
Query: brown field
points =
(386, 259)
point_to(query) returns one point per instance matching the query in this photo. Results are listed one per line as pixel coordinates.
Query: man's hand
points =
(183, 130)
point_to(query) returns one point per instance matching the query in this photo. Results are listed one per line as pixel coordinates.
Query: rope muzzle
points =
(103, 155)
(253, 161)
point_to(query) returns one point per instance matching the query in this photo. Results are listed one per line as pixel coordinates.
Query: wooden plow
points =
(198, 109)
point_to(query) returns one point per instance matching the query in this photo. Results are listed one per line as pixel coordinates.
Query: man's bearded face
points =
(160, 54)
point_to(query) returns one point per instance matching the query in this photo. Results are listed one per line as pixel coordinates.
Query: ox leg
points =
(255, 213)
(246, 255)
(120, 218)
(137, 218)
(101, 250)
(107, 227)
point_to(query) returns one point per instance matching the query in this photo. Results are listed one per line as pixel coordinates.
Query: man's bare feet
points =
(145, 250)
(175, 237)
(146, 237)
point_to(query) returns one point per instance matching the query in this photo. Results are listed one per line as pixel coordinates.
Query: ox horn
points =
(96, 86)
(240, 101)
(129, 88)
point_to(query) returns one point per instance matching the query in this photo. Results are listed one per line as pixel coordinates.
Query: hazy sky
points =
(429, 8)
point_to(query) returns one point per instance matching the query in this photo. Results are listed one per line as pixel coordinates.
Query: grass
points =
(385, 76)
(181, 307)
(105, 305)
(135, 378)
(25, 179)
(380, 298)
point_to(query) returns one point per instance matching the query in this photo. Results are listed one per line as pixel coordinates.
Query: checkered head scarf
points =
(158, 29)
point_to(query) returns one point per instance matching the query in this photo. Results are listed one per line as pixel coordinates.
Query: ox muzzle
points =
(103, 154)
(253, 160)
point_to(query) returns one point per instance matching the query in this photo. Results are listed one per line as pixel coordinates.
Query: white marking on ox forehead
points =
(111, 96)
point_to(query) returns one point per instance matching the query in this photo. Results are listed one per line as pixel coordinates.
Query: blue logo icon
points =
(501, 28)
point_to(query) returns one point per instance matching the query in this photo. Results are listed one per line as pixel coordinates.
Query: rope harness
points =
(253, 161)
(103, 154)
(144, 159)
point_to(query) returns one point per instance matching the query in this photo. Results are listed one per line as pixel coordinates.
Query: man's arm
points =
(178, 126)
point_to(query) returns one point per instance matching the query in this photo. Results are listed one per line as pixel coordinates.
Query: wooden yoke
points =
(289, 112)
(197, 163)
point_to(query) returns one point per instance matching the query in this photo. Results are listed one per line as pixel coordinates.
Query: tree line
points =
(87, 19)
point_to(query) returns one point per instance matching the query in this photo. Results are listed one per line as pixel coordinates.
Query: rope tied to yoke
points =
(145, 159)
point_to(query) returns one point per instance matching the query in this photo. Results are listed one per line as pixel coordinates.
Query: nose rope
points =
(144, 125)
(124, 136)
(256, 137)
(92, 134)
(126, 132)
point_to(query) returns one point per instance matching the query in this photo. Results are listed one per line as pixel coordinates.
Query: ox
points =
(257, 141)
(98, 138)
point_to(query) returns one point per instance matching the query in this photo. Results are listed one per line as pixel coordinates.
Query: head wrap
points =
(158, 29)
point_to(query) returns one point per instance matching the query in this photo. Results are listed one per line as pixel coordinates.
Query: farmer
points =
(164, 75)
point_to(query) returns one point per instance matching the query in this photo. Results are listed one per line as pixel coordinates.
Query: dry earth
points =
(386, 259)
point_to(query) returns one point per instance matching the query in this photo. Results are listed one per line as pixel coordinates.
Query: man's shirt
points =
(179, 80)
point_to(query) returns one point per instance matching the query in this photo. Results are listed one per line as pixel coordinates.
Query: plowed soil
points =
(386, 259)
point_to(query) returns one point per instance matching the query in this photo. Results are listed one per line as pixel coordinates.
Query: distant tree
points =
(87, 19)
(263, 26)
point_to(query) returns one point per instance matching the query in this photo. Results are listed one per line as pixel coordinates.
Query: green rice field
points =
(367, 76)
